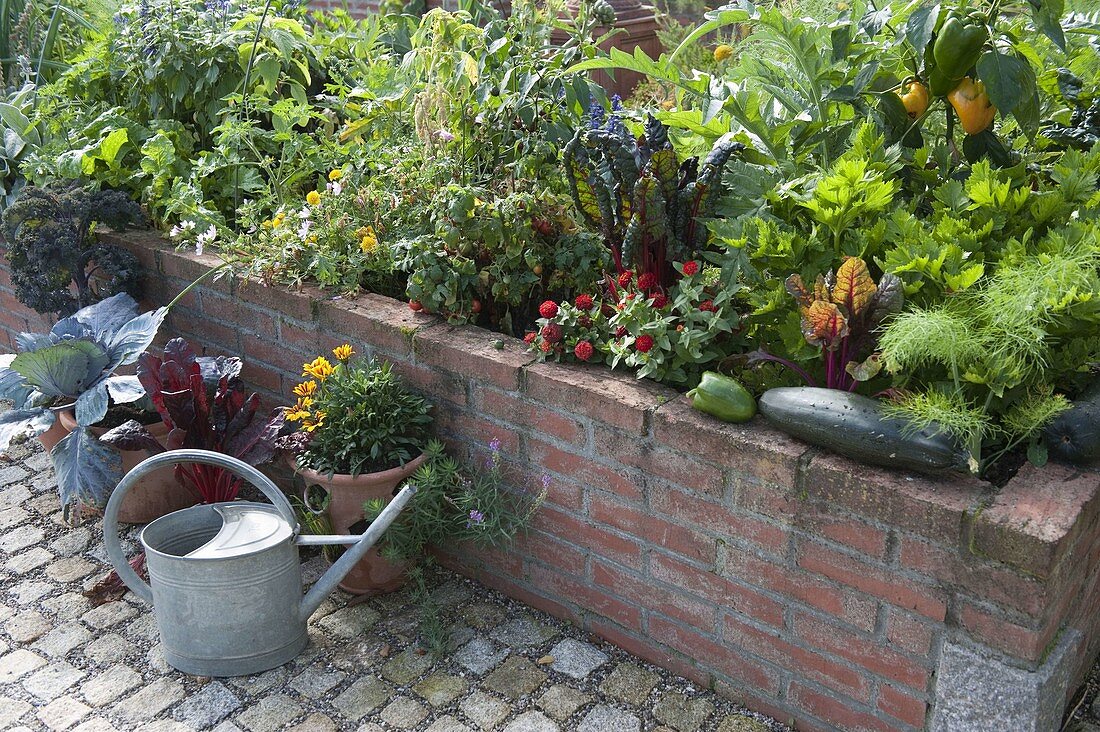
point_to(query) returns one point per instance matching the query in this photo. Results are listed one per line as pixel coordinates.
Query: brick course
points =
(808, 586)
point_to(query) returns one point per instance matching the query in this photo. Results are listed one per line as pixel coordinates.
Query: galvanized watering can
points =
(224, 579)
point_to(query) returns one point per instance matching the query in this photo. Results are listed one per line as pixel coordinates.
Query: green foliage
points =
(359, 419)
(58, 265)
(456, 504)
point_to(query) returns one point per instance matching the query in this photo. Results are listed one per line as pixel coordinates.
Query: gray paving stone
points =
(532, 722)
(24, 562)
(14, 496)
(21, 538)
(165, 725)
(71, 543)
(259, 683)
(98, 724)
(149, 702)
(604, 718)
(110, 685)
(407, 666)
(484, 615)
(109, 614)
(576, 659)
(30, 591)
(441, 689)
(362, 697)
(67, 606)
(315, 722)
(560, 701)
(448, 724)
(12, 516)
(62, 713)
(350, 622)
(208, 706)
(11, 710)
(18, 663)
(52, 681)
(404, 713)
(630, 683)
(681, 712)
(515, 678)
(144, 628)
(63, 639)
(314, 681)
(480, 655)
(742, 723)
(69, 569)
(11, 474)
(26, 626)
(271, 713)
(484, 710)
(109, 648)
(523, 631)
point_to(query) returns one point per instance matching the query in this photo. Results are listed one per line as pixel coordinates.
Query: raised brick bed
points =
(806, 585)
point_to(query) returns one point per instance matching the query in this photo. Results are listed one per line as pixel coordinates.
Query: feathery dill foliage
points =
(982, 364)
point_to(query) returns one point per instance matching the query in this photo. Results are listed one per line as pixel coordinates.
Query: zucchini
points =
(1074, 435)
(723, 398)
(857, 427)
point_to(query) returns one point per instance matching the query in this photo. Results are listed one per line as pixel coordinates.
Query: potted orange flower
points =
(360, 434)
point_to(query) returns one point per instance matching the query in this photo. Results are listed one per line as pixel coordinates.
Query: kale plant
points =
(58, 264)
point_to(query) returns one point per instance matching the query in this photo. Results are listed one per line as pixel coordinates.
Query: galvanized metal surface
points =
(229, 613)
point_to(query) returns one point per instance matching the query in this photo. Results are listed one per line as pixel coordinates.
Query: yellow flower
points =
(369, 242)
(335, 174)
(318, 421)
(319, 368)
(305, 389)
(296, 415)
(313, 198)
(266, 224)
(311, 239)
(278, 220)
(343, 353)
(723, 52)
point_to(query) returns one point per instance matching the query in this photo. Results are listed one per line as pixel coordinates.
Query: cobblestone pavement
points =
(65, 665)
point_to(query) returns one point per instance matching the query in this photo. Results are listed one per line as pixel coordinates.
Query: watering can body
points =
(225, 580)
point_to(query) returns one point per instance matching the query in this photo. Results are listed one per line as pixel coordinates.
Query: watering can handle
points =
(173, 457)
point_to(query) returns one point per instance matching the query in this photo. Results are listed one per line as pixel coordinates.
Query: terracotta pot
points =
(156, 494)
(54, 434)
(373, 574)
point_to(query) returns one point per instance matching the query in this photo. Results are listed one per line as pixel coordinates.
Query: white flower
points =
(175, 232)
(206, 237)
(304, 228)
(304, 212)
(335, 188)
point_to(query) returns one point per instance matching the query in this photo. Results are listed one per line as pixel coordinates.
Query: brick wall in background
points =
(807, 586)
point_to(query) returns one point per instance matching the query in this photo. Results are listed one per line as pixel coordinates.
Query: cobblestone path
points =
(65, 665)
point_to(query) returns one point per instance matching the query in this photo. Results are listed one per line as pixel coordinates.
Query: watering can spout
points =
(328, 581)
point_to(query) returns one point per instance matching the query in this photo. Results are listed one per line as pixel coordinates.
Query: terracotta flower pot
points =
(373, 574)
(54, 434)
(156, 494)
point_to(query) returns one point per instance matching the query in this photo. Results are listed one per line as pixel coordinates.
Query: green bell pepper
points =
(722, 397)
(959, 44)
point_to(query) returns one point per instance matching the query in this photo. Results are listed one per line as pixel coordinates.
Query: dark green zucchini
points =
(1074, 435)
(857, 427)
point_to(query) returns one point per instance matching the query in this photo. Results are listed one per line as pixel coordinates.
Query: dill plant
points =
(983, 366)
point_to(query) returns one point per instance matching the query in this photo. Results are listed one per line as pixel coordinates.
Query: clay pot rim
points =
(67, 418)
(344, 479)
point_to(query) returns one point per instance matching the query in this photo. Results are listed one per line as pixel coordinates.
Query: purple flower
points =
(546, 481)
(477, 518)
(444, 135)
(596, 115)
(494, 444)
(616, 103)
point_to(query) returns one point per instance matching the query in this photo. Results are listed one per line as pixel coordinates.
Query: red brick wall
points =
(808, 586)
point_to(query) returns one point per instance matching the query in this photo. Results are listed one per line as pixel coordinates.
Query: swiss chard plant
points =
(204, 406)
(645, 202)
(841, 315)
(74, 365)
